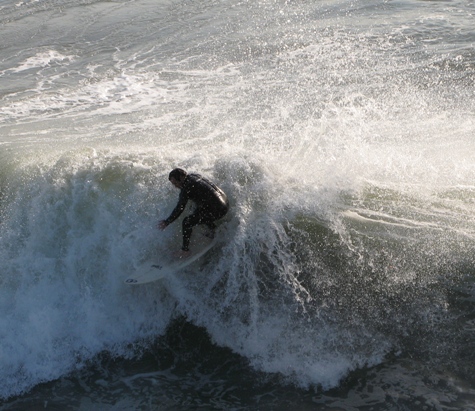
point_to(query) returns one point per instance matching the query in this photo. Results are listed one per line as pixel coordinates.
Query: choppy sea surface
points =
(343, 134)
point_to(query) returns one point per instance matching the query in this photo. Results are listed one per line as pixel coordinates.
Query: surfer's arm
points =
(182, 200)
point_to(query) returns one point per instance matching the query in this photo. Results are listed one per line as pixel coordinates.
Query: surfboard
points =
(166, 264)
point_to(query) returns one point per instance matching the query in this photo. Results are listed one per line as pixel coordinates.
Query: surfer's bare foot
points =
(182, 254)
(210, 233)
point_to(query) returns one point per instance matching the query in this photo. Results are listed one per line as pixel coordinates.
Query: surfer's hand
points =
(162, 225)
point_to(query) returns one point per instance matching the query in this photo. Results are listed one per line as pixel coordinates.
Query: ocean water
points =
(343, 134)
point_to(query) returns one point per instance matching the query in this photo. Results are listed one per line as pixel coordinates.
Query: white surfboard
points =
(166, 264)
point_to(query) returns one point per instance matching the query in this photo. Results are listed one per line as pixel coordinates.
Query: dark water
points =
(342, 132)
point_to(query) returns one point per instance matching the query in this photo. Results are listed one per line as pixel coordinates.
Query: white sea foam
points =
(341, 150)
(42, 59)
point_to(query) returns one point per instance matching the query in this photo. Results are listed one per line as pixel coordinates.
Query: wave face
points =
(343, 135)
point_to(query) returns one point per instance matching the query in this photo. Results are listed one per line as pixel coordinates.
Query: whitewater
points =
(342, 133)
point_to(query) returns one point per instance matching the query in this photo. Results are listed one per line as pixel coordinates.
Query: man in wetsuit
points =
(211, 204)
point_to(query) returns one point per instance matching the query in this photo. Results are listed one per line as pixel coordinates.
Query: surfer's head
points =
(177, 174)
(177, 177)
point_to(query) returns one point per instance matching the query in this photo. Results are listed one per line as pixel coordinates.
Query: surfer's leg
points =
(213, 214)
(201, 216)
(211, 217)
(187, 228)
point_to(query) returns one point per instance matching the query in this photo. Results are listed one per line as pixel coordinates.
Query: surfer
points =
(211, 204)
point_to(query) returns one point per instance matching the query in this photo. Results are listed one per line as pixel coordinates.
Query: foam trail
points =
(344, 142)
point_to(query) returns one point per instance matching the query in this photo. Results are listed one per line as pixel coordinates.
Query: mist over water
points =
(342, 133)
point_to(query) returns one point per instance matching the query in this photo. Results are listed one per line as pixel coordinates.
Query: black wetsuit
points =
(212, 204)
